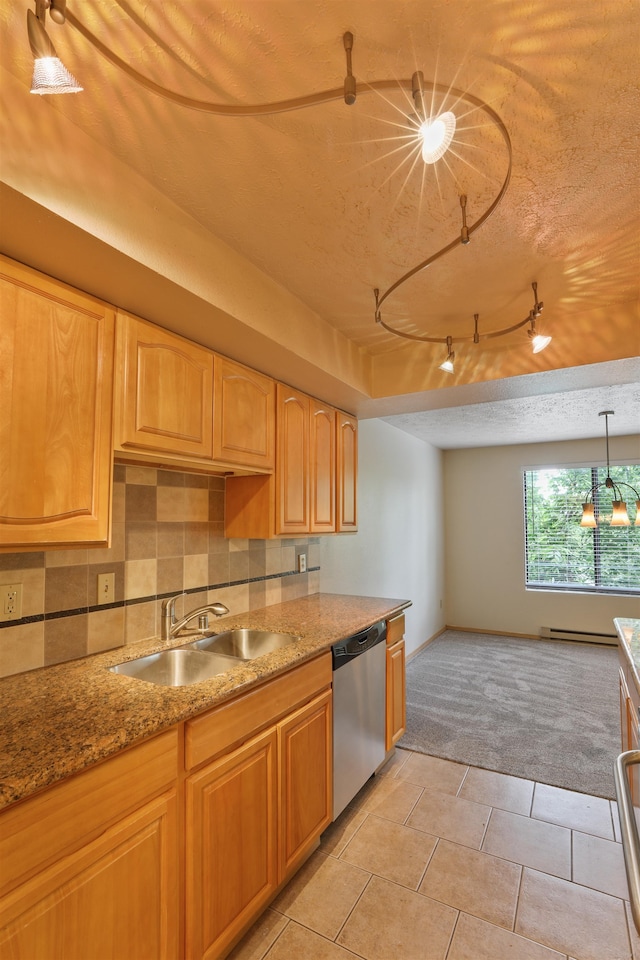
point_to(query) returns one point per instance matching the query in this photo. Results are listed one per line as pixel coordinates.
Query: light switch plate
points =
(106, 587)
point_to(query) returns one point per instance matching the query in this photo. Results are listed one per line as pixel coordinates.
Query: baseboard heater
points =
(584, 636)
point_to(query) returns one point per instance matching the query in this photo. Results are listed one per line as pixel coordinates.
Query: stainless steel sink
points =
(176, 668)
(243, 643)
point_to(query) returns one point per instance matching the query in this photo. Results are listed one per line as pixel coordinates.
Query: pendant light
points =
(619, 515)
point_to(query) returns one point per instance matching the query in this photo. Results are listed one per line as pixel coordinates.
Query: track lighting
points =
(49, 73)
(436, 136)
(538, 341)
(619, 515)
(447, 365)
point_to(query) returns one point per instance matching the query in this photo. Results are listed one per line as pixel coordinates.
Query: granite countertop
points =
(58, 720)
(629, 643)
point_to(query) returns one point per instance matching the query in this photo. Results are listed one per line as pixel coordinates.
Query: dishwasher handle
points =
(629, 829)
(345, 651)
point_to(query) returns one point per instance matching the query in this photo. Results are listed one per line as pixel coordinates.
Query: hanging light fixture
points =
(619, 515)
(49, 73)
(538, 341)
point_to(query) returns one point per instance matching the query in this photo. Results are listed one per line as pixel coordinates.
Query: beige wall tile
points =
(196, 505)
(65, 638)
(273, 592)
(140, 621)
(143, 475)
(571, 919)
(139, 578)
(116, 552)
(196, 571)
(66, 558)
(105, 629)
(170, 504)
(66, 588)
(21, 648)
(117, 503)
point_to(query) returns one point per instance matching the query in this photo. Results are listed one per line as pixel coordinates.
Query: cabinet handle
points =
(629, 829)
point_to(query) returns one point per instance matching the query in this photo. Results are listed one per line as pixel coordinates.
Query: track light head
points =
(49, 73)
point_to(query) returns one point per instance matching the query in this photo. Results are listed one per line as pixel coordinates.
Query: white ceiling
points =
(317, 201)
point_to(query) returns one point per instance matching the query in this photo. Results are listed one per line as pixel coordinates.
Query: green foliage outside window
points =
(562, 554)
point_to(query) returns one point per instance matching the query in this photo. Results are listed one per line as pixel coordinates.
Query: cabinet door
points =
(292, 461)
(231, 855)
(164, 392)
(306, 792)
(322, 468)
(347, 472)
(396, 695)
(244, 415)
(56, 348)
(116, 896)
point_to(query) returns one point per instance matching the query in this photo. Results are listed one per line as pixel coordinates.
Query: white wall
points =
(484, 535)
(398, 551)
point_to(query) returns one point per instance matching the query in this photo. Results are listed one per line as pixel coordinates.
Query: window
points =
(560, 554)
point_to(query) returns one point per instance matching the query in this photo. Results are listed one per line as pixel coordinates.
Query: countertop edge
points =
(60, 720)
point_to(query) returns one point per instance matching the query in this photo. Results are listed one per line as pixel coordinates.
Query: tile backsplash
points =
(167, 536)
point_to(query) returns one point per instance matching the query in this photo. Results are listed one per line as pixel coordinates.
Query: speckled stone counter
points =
(629, 645)
(58, 720)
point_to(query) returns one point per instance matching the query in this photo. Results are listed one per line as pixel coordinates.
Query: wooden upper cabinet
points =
(164, 392)
(292, 461)
(347, 472)
(244, 415)
(322, 467)
(56, 376)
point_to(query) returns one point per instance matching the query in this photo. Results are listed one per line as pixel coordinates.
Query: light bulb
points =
(539, 342)
(51, 76)
(447, 365)
(437, 136)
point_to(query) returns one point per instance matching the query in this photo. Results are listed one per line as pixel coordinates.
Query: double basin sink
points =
(204, 658)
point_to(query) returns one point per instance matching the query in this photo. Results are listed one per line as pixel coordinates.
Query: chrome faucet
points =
(171, 626)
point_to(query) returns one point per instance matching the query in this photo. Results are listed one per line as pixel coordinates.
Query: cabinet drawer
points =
(395, 629)
(233, 722)
(59, 820)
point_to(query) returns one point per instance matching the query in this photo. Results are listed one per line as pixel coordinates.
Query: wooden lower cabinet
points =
(396, 697)
(231, 844)
(100, 880)
(253, 816)
(255, 809)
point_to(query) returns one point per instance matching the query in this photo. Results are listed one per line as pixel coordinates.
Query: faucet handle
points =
(169, 604)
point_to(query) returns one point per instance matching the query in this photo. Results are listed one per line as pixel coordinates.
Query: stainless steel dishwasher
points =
(359, 677)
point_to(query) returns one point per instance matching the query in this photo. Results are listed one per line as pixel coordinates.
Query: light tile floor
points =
(434, 860)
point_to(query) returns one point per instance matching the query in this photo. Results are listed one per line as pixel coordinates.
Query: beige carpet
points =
(540, 709)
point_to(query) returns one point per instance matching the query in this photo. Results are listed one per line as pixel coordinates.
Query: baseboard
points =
(414, 653)
(494, 633)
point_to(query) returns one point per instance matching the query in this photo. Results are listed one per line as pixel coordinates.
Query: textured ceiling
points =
(329, 201)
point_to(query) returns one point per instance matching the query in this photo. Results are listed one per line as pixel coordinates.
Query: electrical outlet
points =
(302, 563)
(10, 601)
(106, 587)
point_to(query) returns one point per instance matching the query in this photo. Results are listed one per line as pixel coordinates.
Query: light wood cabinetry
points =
(347, 473)
(56, 346)
(313, 489)
(92, 864)
(244, 415)
(164, 392)
(630, 730)
(322, 474)
(255, 806)
(396, 717)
